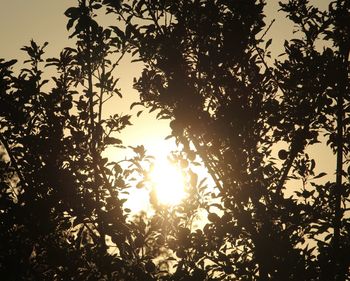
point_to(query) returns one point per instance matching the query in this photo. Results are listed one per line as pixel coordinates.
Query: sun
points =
(168, 182)
(165, 182)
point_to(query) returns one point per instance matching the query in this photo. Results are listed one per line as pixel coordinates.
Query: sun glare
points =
(168, 182)
(138, 200)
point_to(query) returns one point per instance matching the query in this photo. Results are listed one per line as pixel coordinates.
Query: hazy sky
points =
(44, 20)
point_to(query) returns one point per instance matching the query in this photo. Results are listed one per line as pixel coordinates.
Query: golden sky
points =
(44, 20)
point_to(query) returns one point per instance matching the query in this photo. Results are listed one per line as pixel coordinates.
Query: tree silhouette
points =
(323, 105)
(206, 70)
(61, 213)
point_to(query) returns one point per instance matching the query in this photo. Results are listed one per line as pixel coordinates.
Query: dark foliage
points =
(207, 70)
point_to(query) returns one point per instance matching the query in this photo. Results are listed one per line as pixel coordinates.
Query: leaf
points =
(134, 104)
(96, 6)
(268, 43)
(320, 175)
(118, 31)
(8, 64)
(33, 44)
(43, 83)
(212, 217)
(112, 140)
(118, 93)
(117, 169)
(140, 185)
(72, 12)
(70, 23)
(128, 31)
(104, 161)
(115, 4)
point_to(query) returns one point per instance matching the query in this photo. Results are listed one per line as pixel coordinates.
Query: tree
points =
(206, 71)
(62, 215)
(324, 105)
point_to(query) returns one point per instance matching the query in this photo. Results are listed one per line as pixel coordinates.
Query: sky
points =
(44, 20)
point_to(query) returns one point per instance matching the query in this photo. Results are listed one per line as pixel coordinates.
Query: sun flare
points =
(168, 182)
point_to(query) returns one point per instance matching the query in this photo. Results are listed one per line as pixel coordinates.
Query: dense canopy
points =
(266, 212)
